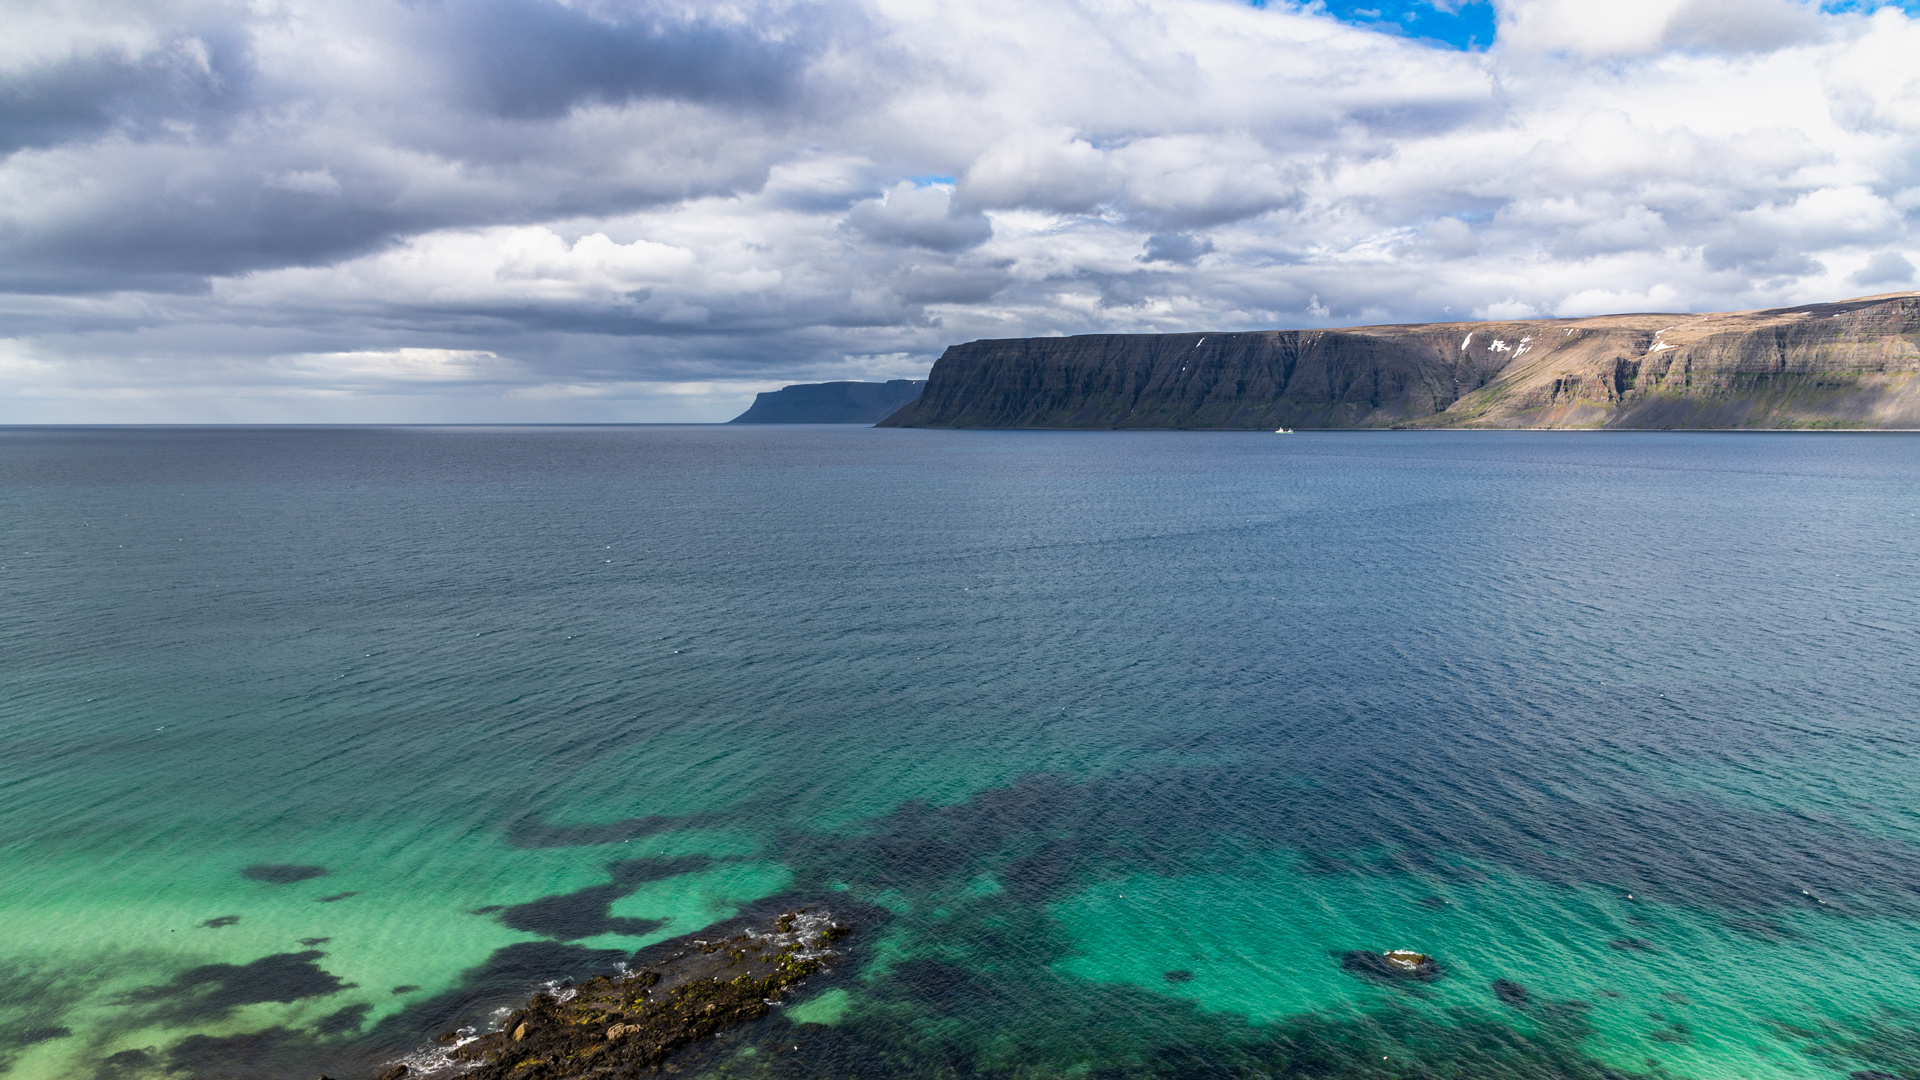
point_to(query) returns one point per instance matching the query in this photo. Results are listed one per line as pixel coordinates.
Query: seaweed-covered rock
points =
(615, 1025)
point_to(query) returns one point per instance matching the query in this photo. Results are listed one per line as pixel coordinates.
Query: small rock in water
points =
(394, 1073)
(1179, 976)
(1396, 964)
(1512, 993)
(1406, 960)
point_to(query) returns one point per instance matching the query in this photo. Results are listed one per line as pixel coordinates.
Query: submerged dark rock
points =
(702, 986)
(1633, 944)
(1180, 976)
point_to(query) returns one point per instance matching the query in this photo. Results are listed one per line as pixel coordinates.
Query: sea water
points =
(318, 743)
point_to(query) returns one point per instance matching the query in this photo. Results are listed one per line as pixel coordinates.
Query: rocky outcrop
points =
(676, 993)
(1850, 364)
(831, 402)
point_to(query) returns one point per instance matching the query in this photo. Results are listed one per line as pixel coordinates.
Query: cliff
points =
(830, 403)
(1854, 363)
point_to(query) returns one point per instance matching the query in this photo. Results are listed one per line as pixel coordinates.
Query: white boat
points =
(1283, 431)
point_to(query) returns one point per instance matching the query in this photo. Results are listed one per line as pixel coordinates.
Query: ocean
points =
(1113, 748)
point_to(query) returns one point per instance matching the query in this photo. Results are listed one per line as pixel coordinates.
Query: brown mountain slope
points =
(1854, 363)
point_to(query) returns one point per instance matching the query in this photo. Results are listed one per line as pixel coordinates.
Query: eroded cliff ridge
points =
(1849, 364)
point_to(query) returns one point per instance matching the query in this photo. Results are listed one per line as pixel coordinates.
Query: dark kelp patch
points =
(282, 873)
(342, 1021)
(507, 975)
(1884, 1043)
(276, 1052)
(1512, 993)
(40, 1035)
(125, 1061)
(575, 915)
(531, 832)
(212, 989)
(586, 912)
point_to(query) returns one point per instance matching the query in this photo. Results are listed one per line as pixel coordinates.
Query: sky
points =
(477, 211)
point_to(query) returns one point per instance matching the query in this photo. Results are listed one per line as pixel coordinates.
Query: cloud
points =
(631, 209)
(1182, 248)
(1642, 27)
(1885, 268)
(922, 216)
(541, 59)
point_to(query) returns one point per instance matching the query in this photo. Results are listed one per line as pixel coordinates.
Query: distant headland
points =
(831, 402)
(1848, 364)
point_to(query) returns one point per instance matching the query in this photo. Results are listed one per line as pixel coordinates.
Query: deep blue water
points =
(1111, 744)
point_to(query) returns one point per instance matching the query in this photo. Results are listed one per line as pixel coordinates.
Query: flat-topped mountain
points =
(1850, 364)
(830, 402)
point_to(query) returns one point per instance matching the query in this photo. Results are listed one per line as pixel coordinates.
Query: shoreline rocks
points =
(678, 994)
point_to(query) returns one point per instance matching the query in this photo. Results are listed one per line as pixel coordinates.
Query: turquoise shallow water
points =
(318, 742)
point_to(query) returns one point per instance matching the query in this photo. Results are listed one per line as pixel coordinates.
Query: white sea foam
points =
(434, 1060)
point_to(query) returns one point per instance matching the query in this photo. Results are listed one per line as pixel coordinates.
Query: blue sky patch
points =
(1457, 25)
(1911, 7)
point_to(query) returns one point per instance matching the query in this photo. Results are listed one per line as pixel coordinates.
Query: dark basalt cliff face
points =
(1853, 363)
(831, 403)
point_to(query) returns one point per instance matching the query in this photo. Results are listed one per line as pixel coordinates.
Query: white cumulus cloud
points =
(630, 209)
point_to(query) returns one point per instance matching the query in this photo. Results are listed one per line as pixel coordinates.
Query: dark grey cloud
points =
(535, 59)
(1885, 268)
(1182, 248)
(919, 216)
(200, 81)
(152, 234)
